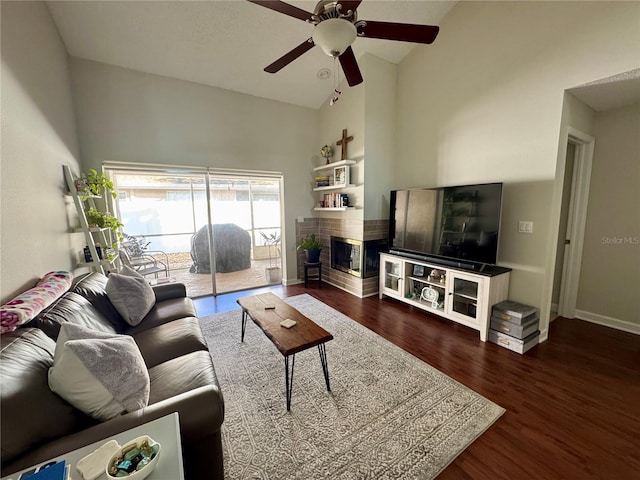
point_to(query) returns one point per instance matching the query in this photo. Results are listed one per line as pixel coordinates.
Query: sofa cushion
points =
(170, 340)
(92, 286)
(31, 414)
(181, 375)
(27, 305)
(130, 293)
(73, 308)
(164, 312)
(101, 376)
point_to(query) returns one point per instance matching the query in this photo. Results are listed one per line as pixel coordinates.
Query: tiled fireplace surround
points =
(325, 228)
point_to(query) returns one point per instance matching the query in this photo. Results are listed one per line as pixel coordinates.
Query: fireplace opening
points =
(356, 257)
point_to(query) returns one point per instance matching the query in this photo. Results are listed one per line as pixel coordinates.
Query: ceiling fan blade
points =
(350, 67)
(349, 5)
(405, 32)
(285, 8)
(289, 57)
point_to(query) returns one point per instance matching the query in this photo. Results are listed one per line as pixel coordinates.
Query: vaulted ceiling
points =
(226, 44)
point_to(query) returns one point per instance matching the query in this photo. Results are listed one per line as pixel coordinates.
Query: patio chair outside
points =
(134, 254)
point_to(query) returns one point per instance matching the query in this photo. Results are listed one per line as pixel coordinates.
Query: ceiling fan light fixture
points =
(334, 35)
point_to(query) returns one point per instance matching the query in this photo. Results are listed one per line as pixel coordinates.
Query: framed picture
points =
(418, 270)
(341, 176)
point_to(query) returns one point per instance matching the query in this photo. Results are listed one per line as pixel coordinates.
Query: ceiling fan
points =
(336, 27)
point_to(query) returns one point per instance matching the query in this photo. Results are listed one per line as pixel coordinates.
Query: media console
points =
(463, 295)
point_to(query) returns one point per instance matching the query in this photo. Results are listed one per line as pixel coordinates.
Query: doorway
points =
(573, 214)
(216, 232)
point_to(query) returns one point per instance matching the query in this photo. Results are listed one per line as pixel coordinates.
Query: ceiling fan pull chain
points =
(336, 82)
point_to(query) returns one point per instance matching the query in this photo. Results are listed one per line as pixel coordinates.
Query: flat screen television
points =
(458, 225)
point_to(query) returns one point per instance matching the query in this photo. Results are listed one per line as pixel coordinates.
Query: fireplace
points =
(356, 257)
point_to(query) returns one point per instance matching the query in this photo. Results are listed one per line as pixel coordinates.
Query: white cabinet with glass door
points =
(462, 296)
(391, 276)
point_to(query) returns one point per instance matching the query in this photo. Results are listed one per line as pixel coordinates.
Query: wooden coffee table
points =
(289, 341)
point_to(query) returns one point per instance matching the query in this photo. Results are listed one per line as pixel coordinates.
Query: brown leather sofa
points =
(37, 424)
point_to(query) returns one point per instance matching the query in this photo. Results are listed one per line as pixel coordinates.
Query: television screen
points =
(460, 222)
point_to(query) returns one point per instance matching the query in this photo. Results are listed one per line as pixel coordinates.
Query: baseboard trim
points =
(608, 321)
(343, 289)
(544, 335)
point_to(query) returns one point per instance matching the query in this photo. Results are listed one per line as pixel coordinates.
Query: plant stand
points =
(311, 276)
(93, 235)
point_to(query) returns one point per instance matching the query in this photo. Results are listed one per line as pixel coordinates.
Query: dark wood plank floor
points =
(573, 402)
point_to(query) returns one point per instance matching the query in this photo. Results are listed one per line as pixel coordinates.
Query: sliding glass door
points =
(214, 232)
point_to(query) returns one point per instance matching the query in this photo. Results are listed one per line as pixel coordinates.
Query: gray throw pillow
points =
(130, 294)
(101, 374)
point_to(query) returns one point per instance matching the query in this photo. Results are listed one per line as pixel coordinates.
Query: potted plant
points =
(272, 273)
(94, 184)
(312, 247)
(105, 220)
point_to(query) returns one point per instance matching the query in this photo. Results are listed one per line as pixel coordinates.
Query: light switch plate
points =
(525, 227)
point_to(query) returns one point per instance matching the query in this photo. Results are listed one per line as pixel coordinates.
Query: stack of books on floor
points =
(514, 326)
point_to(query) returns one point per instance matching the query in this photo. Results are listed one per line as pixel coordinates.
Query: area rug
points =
(389, 415)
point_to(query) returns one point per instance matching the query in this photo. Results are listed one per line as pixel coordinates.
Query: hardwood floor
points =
(573, 402)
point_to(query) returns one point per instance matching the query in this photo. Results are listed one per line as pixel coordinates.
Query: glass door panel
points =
(392, 276)
(465, 297)
(160, 212)
(246, 232)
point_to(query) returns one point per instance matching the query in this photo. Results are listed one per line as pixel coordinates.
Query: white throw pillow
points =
(130, 294)
(102, 375)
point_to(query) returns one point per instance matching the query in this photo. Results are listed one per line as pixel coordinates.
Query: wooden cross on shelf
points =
(343, 143)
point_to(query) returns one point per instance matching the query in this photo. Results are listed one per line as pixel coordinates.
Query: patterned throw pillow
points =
(101, 374)
(27, 305)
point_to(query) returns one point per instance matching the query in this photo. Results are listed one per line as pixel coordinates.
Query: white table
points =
(165, 430)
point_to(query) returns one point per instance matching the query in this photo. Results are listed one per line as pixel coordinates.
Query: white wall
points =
(609, 289)
(484, 103)
(368, 112)
(38, 137)
(380, 135)
(129, 116)
(347, 113)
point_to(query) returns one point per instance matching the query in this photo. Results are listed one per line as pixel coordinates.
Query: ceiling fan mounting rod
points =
(326, 9)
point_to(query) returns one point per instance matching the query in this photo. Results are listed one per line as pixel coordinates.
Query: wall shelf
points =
(341, 163)
(333, 187)
(332, 194)
(335, 209)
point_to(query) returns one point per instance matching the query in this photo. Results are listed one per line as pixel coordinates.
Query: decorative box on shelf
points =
(341, 176)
